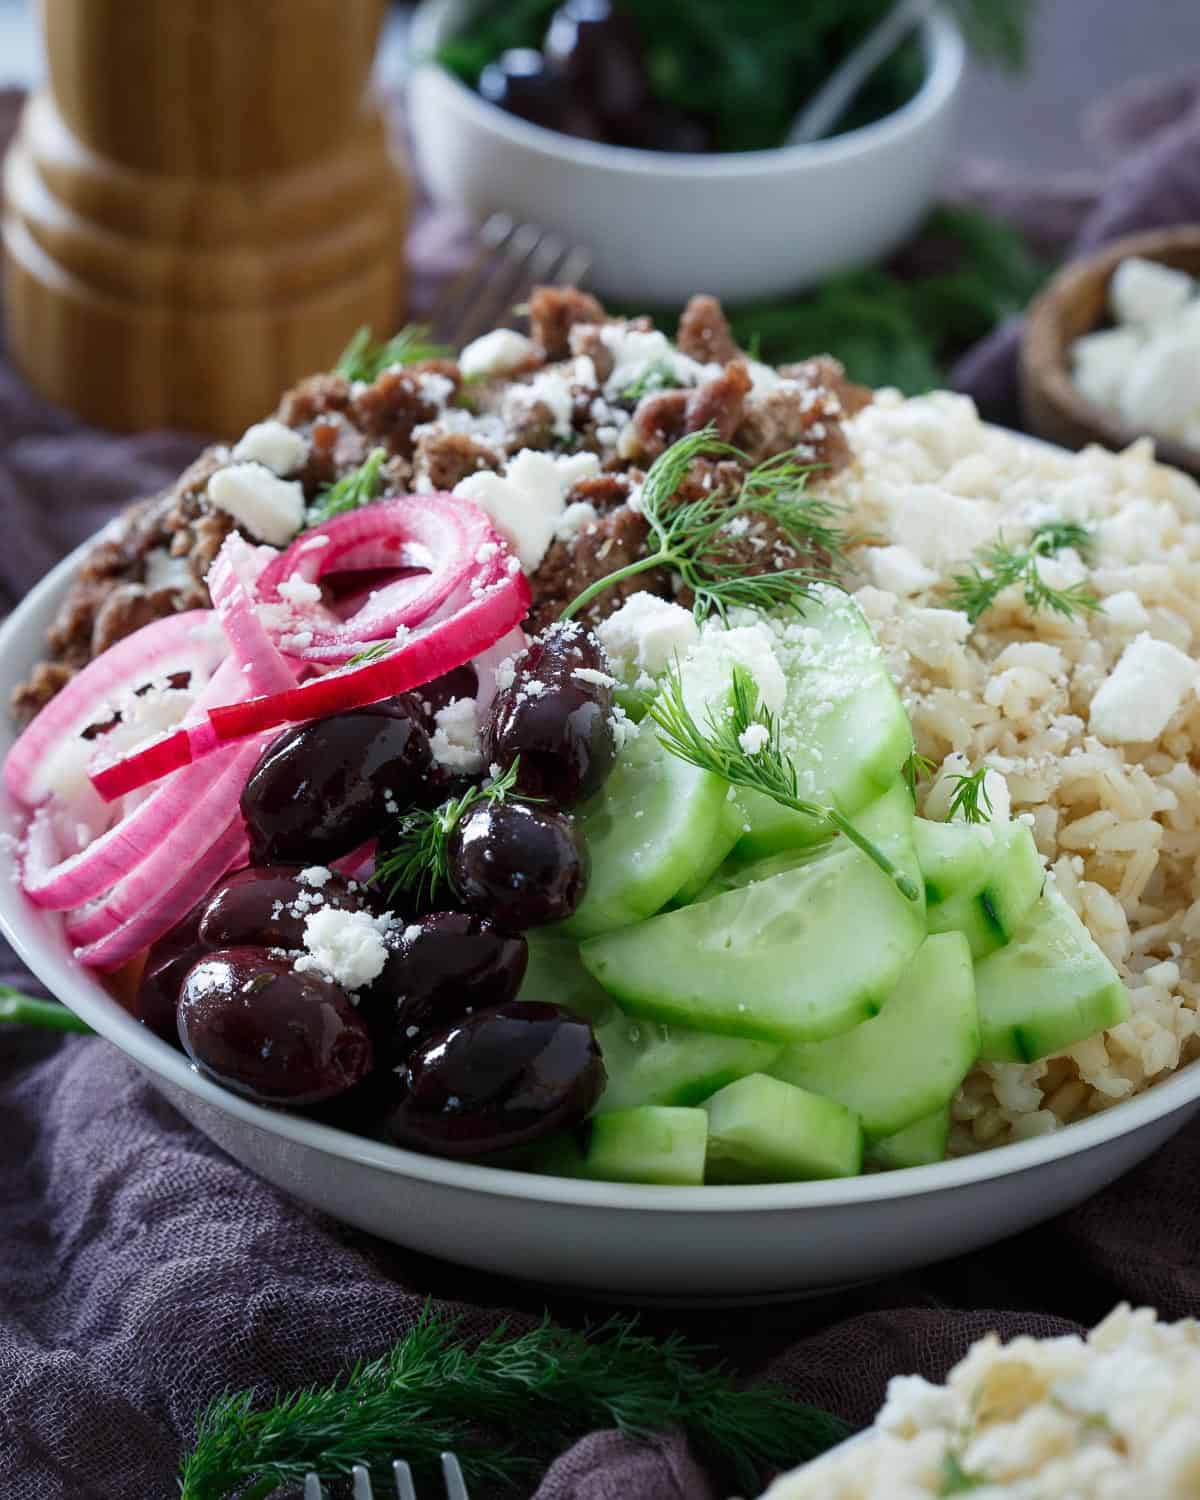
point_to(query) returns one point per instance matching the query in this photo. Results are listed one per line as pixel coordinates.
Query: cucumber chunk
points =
(555, 975)
(912, 1057)
(920, 1145)
(648, 1063)
(763, 1130)
(653, 826)
(980, 879)
(781, 959)
(727, 834)
(1048, 989)
(650, 1145)
(842, 722)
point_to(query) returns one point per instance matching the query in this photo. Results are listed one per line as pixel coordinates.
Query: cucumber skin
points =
(929, 1022)
(997, 891)
(683, 1068)
(761, 1129)
(651, 1145)
(920, 1145)
(1016, 971)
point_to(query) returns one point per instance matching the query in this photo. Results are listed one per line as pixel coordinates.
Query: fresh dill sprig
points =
(364, 359)
(351, 491)
(970, 791)
(23, 1010)
(507, 1405)
(371, 653)
(742, 745)
(955, 1479)
(417, 861)
(657, 375)
(999, 566)
(697, 539)
(916, 768)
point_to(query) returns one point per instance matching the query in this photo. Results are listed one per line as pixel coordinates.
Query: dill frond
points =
(351, 491)
(364, 359)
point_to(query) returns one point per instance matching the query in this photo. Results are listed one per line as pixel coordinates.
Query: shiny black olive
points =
(323, 788)
(500, 1078)
(439, 969)
(556, 715)
(520, 82)
(462, 682)
(520, 864)
(167, 963)
(267, 905)
(597, 52)
(270, 1033)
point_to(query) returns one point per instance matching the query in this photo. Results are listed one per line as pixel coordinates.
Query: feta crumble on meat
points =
(575, 518)
(276, 447)
(527, 501)
(347, 946)
(646, 634)
(1140, 696)
(496, 353)
(269, 508)
(455, 742)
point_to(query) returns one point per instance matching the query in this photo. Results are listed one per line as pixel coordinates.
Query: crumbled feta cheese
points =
(1161, 392)
(636, 350)
(595, 677)
(527, 500)
(412, 932)
(577, 517)
(316, 875)
(548, 388)
(1146, 292)
(1126, 611)
(897, 571)
(270, 508)
(1101, 361)
(939, 528)
(647, 633)
(709, 669)
(753, 738)
(348, 946)
(1142, 693)
(274, 445)
(296, 589)
(455, 741)
(496, 353)
(166, 572)
(434, 389)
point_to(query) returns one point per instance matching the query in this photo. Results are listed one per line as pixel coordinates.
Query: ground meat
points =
(334, 448)
(704, 333)
(127, 608)
(586, 341)
(830, 374)
(710, 476)
(47, 679)
(720, 401)
(312, 398)
(391, 406)
(554, 311)
(659, 420)
(618, 537)
(605, 491)
(447, 457)
(804, 419)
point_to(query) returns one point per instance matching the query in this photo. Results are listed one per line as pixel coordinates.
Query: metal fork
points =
(452, 1476)
(511, 260)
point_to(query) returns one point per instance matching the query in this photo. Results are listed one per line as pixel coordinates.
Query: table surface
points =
(1084, 49)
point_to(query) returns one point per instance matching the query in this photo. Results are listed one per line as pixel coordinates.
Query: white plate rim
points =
(107, 1017)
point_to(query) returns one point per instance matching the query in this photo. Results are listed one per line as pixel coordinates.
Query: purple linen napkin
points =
(142, 1271)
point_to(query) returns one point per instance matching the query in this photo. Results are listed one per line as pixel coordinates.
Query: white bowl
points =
(661, 225)
(665, 1244)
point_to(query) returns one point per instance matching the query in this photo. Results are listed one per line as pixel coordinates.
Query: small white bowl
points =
(661, 225)
(664, 1244)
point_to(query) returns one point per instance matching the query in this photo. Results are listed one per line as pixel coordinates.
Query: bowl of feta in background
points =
(747, 224)
(1111, 350)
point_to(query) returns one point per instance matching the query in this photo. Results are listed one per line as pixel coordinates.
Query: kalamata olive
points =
(323, 788)
(597, 52)
(268, 1032)
(432, 696)
(557, 716)
(267, 905)
(500, 1078)
(520, 82)
(439, 969)
(520, 864)
(167, 963)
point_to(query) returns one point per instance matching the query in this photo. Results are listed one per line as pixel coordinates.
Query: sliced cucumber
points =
(763, 1130)
(782, 959)
(980, 879)
(728, 832)
(652, 827)
(842, 723)
(555, 974)
(912, 1057)
(651, 1145)
(648, 1063)
(1048, 989)
(920, 1145)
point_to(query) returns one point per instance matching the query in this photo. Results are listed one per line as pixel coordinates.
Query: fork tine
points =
(312, 1488)
(574, 270)
(405, 1489)
(362, 1483)
(493, 305)
(456, 297)
(456, 1485)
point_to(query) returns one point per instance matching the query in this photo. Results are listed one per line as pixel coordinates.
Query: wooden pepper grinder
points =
(202, 208)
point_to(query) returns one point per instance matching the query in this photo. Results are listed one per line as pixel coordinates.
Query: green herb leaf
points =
(1000, 566)
(658, 375)
(417, 862)
(363, 359)
(351, 491)
(696, 539)
(507, 1405)
(743, 746)
(916, 768)
(955, 1479)
(970, 791)
(23, 1010)
(372, 653)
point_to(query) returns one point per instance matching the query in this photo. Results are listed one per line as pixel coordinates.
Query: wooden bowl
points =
(1073, 304)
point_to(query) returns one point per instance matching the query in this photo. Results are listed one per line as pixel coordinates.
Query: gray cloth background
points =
(142, 1271)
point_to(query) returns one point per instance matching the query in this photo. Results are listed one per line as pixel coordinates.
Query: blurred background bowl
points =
(662, 225)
